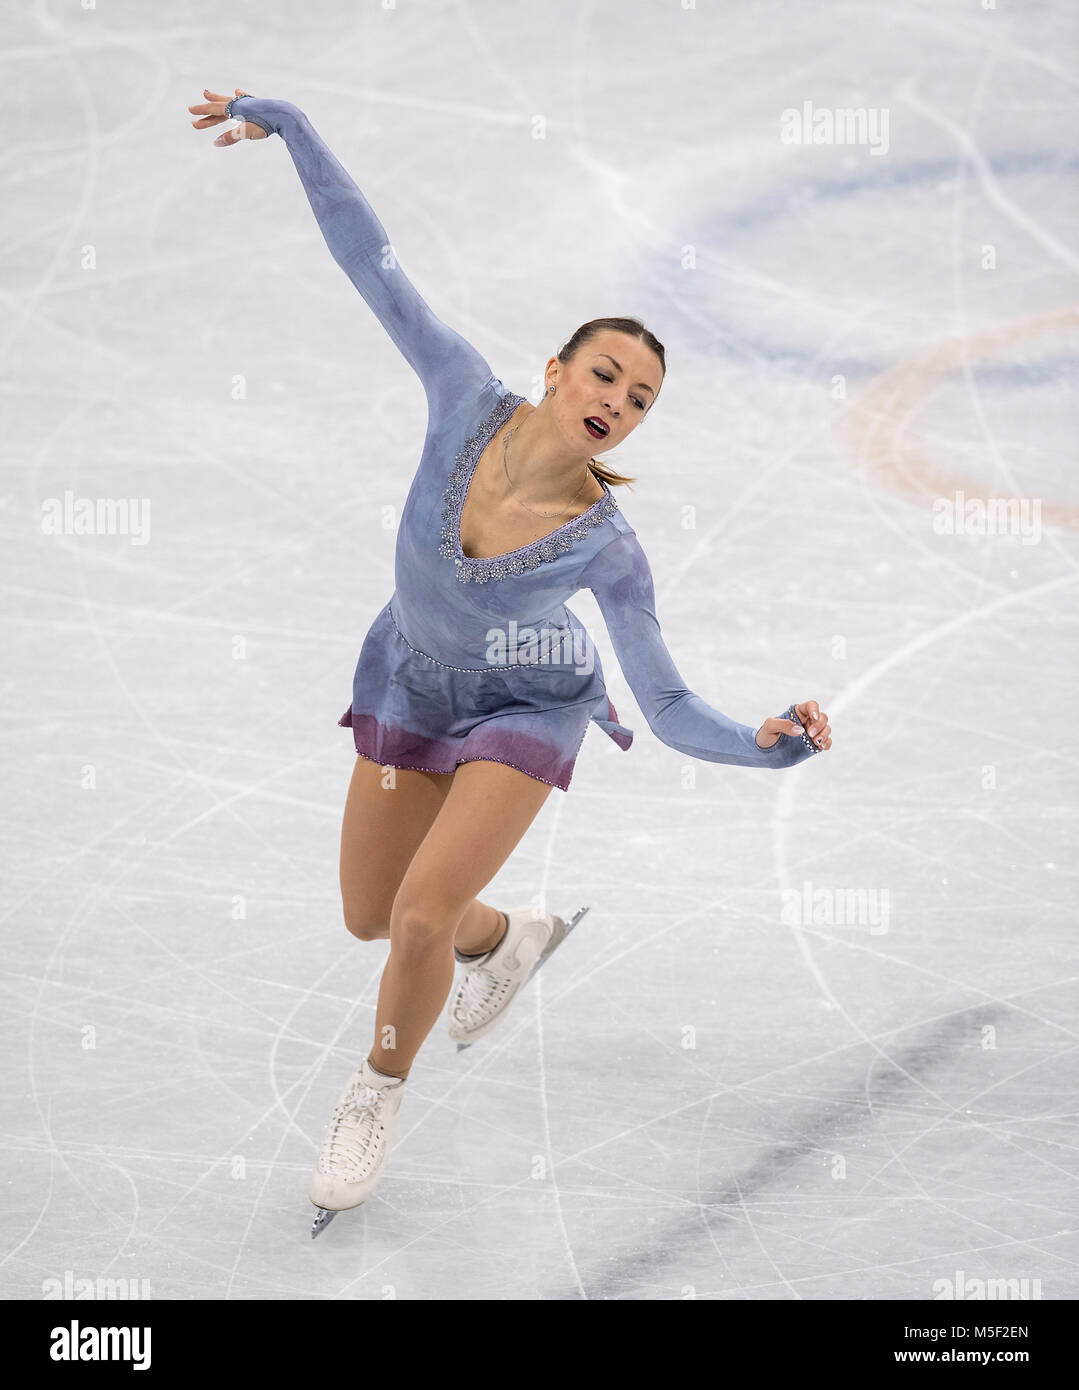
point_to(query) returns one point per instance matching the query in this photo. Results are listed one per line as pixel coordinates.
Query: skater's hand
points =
(813, 722)
(212, 112)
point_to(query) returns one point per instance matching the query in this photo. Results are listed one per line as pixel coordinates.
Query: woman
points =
(475, 684)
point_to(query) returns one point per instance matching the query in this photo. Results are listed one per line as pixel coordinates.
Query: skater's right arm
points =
(446, 363)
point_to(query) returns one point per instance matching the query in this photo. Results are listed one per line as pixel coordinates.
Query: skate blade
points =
(544, 956)
(322, 1220)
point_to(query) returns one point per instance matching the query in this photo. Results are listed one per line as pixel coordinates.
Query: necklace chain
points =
(505, 465)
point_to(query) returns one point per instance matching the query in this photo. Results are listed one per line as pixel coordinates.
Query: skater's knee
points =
(365, 927)
(420, 925)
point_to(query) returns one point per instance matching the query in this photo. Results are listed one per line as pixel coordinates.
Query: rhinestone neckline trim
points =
(472, 570)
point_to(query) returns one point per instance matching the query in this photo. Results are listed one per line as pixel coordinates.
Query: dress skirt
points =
(410, 710)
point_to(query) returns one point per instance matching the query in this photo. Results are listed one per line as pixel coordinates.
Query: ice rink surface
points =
(816, 1038)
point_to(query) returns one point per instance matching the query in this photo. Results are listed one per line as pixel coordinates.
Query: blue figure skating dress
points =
(481, 658)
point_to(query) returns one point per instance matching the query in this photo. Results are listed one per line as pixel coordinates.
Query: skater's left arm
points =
(621, 579)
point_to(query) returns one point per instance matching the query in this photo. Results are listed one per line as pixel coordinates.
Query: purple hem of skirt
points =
(382, 744)
(392, 747)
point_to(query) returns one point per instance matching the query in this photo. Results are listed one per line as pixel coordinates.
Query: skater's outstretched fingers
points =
(212, 112)
(212, 109)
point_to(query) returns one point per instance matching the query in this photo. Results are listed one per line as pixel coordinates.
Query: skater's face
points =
(614, 378)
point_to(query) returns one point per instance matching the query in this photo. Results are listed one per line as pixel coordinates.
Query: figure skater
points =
(475, 684)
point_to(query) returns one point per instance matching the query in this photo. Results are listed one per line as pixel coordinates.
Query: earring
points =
(551, 390)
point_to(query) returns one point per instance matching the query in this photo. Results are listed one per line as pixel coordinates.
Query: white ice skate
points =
(357, 1144)
(491, 982)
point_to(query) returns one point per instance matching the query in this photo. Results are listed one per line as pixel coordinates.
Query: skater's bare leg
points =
(485, 814)
(480, 928)
(388, 811)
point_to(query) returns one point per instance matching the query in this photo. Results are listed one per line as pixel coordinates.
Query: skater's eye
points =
(604, 377)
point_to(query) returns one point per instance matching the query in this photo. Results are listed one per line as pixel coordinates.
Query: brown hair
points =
(587, 331)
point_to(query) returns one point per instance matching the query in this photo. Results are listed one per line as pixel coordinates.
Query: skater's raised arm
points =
(447, 364)
(621, 579)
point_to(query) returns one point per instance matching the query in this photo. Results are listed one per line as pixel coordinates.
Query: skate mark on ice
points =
(820, 1127)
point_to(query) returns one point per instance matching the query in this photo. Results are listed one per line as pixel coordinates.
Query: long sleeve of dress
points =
(448, 366)
(621, 579)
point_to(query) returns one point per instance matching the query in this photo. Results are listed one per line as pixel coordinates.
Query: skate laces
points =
(353, 1125)
(480, 991)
